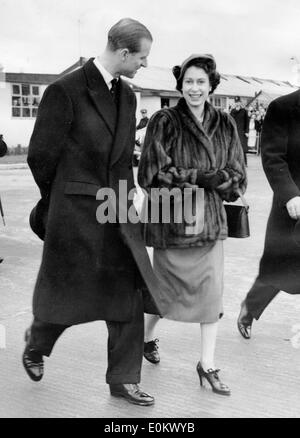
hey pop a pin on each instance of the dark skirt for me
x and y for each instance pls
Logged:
(192, 280)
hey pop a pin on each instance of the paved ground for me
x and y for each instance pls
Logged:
(263, 373)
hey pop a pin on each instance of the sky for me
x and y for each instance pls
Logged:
(247, 37)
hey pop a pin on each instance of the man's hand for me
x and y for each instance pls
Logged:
(293, 207)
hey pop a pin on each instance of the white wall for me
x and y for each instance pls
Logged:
(15, 130)
(138, 106)
(152, 104)
(18, 130)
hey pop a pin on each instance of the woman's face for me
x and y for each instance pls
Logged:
(195, 86)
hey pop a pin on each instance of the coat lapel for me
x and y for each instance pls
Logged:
(100, 95)
(125, 120)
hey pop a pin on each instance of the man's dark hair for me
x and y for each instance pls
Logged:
(127, 34)
(208, 67)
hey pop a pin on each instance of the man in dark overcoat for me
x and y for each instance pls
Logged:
(144, 120)
(280, 264)
(91, 269)
(241, 119)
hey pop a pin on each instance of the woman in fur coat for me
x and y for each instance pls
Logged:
(194, 149)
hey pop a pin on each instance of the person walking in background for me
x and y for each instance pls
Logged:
(240, 116)
(139, 137)
(143, 121)
(82, 141)
(3, 151)
(258, 127)
(280, 263)
(251, 134)
(193, 145)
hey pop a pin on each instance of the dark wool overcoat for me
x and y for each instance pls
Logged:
(242, 123)
(175, 139)
(81, 143)
(280, 264)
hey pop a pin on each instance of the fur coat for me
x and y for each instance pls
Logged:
(175, 139)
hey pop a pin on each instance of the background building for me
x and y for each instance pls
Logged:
(20, 94)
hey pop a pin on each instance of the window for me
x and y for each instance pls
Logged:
(218, 102)
(25, 100)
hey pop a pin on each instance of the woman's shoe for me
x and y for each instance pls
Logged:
(151, 351)
(213, 379)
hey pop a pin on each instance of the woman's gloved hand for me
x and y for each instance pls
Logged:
(210, 180)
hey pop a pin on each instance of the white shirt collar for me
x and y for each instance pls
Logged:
(108, 77)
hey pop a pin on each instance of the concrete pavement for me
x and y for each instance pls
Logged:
(263, 373)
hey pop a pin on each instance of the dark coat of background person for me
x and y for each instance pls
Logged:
(280, 264)
(241, 119)
(143, 123)
(3, 147)
(88, 268)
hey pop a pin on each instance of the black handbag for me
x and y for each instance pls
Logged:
(237, 218)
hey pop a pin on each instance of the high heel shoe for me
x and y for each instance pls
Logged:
(213, 379)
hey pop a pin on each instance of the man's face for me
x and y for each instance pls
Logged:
(132, 62)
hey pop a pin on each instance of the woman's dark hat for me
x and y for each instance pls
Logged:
(178, 71)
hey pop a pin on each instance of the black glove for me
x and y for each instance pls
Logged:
(210, 180)
(181, 175)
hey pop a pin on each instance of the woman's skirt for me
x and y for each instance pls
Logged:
(192, 282)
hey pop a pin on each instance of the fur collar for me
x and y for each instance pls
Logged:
(203, 132)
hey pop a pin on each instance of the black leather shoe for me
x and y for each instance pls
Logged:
(32, 360)
(244, 321)
(132, 393)
(1, 259)
(212, 376)
(151, 351)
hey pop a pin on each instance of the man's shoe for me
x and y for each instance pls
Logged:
(1, 259)
(244, 321)
(151, 351)
(32, 360)
(132, 393)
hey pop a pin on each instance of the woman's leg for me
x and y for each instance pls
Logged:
(150, 341)
(206, 367)
(150, 324)
(208, 345)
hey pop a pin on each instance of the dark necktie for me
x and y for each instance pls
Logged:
(113, 90)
